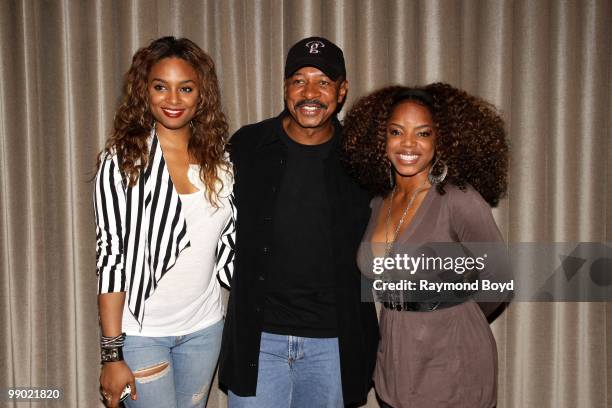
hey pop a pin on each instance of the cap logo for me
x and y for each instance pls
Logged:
(314, 46)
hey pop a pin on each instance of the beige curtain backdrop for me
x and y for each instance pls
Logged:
(545, 64)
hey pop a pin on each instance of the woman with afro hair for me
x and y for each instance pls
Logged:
(435, 159)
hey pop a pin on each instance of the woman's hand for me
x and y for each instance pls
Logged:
(113, 379)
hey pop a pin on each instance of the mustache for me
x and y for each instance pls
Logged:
(311, 102)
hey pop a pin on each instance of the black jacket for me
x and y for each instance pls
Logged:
(259, 156)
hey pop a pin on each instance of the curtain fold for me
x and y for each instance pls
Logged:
(545, 65)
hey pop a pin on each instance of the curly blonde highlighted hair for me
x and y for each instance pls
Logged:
(134, 121)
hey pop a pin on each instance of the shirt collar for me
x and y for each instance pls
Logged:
(273, 137)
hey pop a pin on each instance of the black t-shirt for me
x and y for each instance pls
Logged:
(300, 297)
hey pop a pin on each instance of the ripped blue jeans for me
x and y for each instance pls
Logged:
(184, 368)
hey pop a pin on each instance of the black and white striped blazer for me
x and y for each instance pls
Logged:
(140, 230)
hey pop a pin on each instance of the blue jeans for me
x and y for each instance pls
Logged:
(189, 363)
(295, 372)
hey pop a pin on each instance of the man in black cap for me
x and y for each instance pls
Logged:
(296, 333)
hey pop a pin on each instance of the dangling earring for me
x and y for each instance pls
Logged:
(437, 176)
(391, 176)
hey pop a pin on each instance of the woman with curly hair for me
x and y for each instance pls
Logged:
(162, 201)
(436, 160)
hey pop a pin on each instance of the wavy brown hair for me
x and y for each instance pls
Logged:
(134, 121)
(471, 139)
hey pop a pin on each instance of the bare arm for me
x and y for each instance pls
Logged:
(110, 306)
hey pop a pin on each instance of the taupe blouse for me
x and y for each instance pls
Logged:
(447, 357)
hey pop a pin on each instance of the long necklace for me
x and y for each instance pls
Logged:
(389, 244)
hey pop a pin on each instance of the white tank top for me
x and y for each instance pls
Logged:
(188, 297)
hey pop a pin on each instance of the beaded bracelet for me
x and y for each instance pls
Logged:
(111, 348)
(112, 342)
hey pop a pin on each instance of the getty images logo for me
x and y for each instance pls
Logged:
(314, 46)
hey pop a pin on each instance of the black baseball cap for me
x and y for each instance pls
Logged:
(316, 52)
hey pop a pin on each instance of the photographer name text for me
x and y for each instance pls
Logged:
(425, 285)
